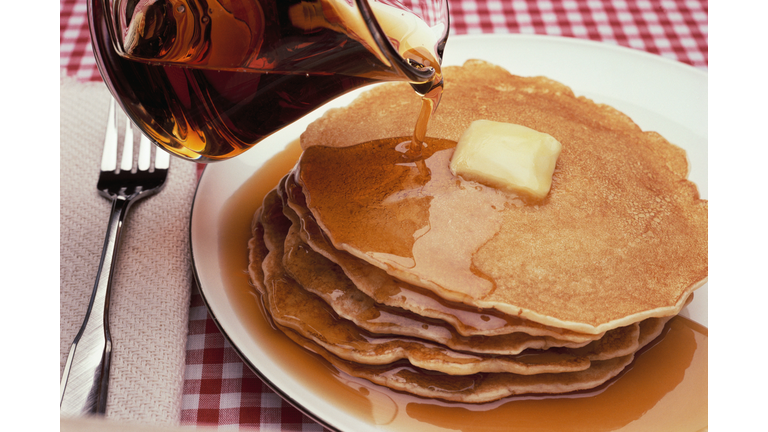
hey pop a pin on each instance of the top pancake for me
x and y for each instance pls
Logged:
(387, 290)
(621, 237)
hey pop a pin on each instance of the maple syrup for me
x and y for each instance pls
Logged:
(665, 388)
(388, 183)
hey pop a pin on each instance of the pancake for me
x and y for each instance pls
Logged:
(387, 290)
(476, 388)
(291, 306)
(395, 270)
(325, 279)
(257, 251)
(621, 237)
(482, 388)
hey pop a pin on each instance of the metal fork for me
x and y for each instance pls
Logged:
(85, 380)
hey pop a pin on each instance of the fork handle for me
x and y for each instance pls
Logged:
(85, 380)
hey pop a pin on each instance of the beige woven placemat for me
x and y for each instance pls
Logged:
(151, 287)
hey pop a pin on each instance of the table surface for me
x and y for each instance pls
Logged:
(219, 389)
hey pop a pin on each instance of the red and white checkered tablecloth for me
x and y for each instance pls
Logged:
(675, 29)
(219, 389)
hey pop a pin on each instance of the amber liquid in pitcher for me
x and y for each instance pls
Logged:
(206, 114)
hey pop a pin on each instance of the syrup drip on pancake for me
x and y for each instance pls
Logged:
(421, 196)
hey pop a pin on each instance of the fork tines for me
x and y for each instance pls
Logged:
(128, 161)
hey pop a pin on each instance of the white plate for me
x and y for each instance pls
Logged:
(659, 94)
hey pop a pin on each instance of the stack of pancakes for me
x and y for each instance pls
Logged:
(397, 271)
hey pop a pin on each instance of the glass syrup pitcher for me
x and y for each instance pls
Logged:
(208, 79)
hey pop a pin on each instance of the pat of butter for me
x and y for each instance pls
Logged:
(507, 156)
